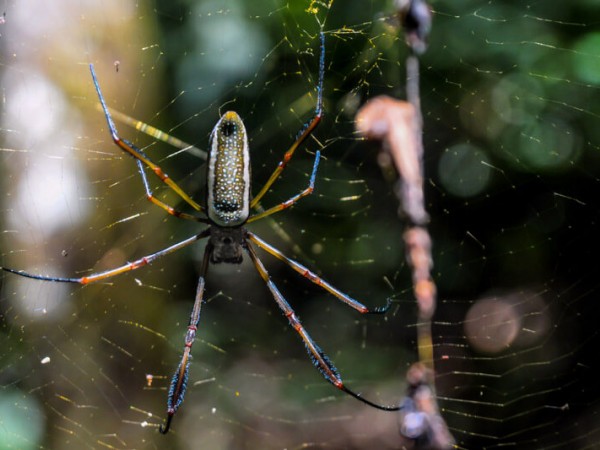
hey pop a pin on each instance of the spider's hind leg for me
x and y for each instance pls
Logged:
(143, 160)
(305, 132)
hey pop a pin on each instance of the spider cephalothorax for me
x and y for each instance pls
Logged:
(227, 244)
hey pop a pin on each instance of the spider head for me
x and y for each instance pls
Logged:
(227, 244)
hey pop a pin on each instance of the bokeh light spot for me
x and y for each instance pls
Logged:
(464, 170)
(21, 421)
(547, 144)
(491, 325)
(587, 58)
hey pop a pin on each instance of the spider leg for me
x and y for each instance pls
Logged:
(318, 357)
(156, 133)
(309, 190)
(140, 156)
(150, 196)
(140, 262)
(304, 132)
(180, 378)
(305, 272)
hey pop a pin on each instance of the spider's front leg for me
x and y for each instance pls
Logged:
(319, 358)
(130, 266)
(180, 378)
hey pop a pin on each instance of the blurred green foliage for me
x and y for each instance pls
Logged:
(510, 102)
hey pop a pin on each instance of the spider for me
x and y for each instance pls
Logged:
(227, 211)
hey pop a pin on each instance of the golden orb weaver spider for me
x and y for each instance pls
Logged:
(226, 213)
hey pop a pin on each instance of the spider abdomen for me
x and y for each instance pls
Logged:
(228, 200)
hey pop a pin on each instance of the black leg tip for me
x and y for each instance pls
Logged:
(382, 309)
(165, 429)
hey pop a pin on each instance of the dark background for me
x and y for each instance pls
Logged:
(513, 221)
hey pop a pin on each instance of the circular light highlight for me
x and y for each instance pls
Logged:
(464, 170)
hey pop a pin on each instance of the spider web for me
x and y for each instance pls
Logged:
(510, 103)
